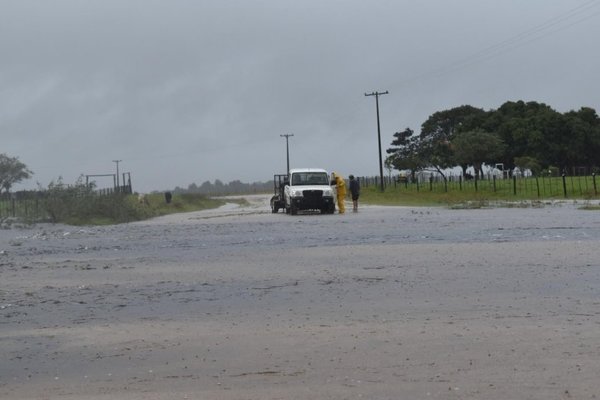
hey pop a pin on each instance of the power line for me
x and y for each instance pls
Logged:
(537, 32)
(539, 28)
(527, 36)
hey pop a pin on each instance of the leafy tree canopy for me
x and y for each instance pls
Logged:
(440, 128)
(442, 125)
(406, 153)
(516, 130)
(12, 171)
(477, 147)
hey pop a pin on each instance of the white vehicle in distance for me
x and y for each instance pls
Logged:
(308, 189)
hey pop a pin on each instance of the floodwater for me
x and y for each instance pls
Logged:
(231, 228)
(240, 303)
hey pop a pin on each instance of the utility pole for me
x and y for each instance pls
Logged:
(377, 94)
(118, 184)
(287, 149)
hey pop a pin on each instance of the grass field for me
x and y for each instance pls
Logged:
(483, 192)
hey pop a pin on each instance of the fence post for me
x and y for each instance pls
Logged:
(537, 183)
(564, 179)
(431, 183)
(494, 180)
(594, 181)
(514, 185)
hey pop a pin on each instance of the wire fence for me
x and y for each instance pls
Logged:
(33, 205)
(26, 206)
(567, 186)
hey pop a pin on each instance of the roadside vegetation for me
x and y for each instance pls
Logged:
(79, 204)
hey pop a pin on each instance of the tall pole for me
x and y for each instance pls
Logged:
(377, 94)
(287, 149)
(118, 184)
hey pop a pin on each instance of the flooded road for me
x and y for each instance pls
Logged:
(239, 303)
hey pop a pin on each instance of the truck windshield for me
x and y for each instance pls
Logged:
(309, 178)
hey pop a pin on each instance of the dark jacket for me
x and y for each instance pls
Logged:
(354, 187)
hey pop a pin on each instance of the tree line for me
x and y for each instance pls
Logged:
(219, 188)
(525, 135)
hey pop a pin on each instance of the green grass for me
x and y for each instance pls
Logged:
(522, 192)
(157, 206)
(590, 207)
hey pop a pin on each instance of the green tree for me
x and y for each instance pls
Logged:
(440, 128)
(477, 147)
(530, 130)
(583, 143)
(12, 171)
(405, 152)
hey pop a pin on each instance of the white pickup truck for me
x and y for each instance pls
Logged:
(309, 189)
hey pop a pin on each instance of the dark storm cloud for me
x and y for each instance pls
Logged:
(188, 91)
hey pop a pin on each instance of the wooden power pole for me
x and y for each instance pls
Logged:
(377, 94)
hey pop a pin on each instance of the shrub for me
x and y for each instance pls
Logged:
(79, 204)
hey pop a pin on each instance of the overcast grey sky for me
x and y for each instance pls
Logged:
(184, 91)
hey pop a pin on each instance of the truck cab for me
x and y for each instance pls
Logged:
(309, 189)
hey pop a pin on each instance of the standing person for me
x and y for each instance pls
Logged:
(340, 185)
(354, 192)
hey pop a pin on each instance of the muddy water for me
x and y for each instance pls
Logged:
(387, 303)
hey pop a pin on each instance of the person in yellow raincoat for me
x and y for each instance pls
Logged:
(340, 186)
